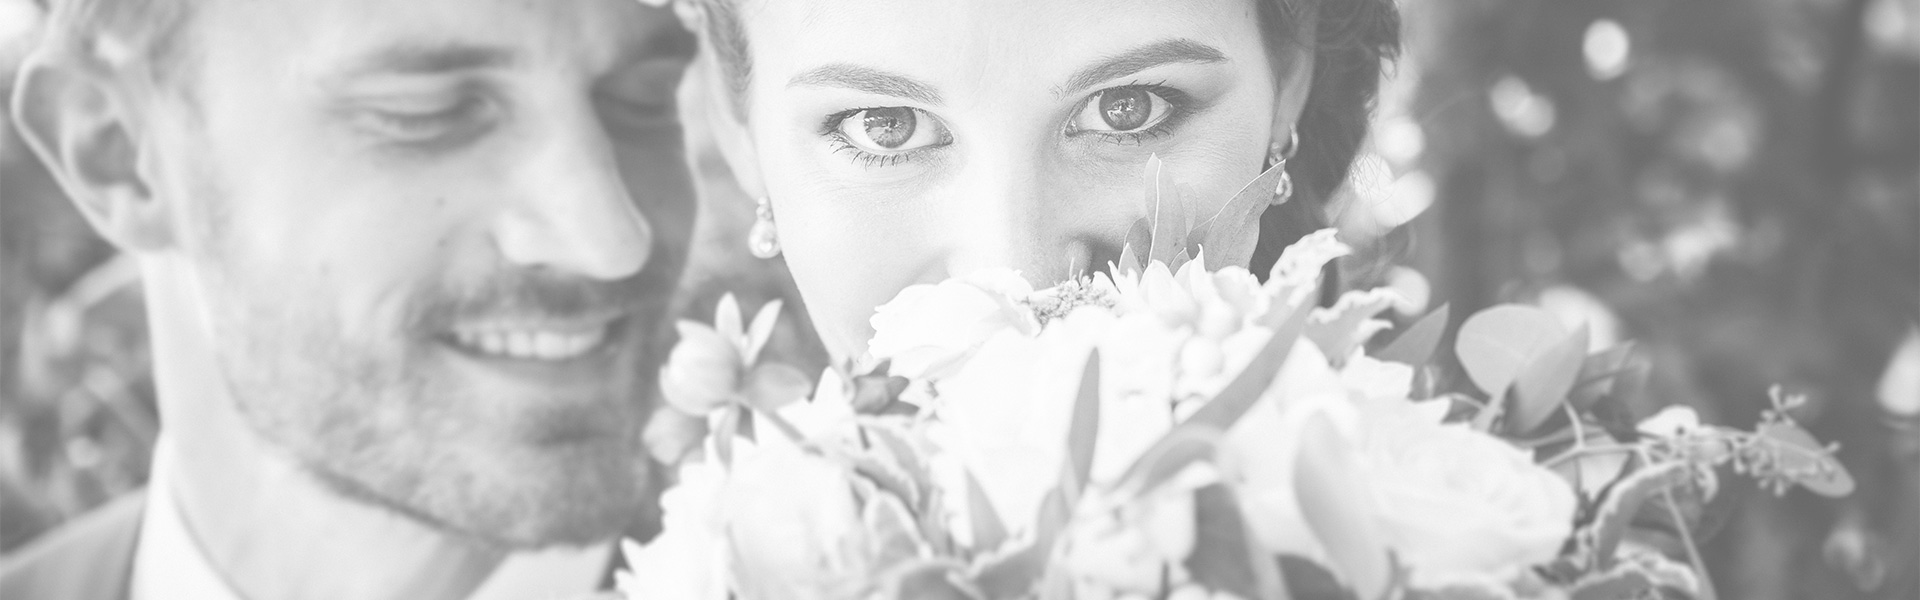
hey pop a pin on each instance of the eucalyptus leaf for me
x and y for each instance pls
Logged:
(1812, 465)
(1416, 345)
(1495, 344)
(1543, 385)
(1600, 377)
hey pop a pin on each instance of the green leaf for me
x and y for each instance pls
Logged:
(1810, 463)
(891, 530)
(1226, 233)
(1225, 558)
(1495, 344)
(1226, 408)
(1601, 375)
(1085, 428)
(931, 579)
(1168, 218)
(1621, 584)
(1326, 488)
(1308, 580)
(1168, 457)
(1014, 575)
(1130, 263)
(1416, 345)
(989, 531)
(1625, 500)
(1196, 437)
(1543, 385)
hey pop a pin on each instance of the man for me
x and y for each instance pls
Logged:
(403, 262)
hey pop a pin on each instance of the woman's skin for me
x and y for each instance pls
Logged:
(906, 142)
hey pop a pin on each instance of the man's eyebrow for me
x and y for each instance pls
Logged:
(1139, 59)
(415, 58)
(869, 80)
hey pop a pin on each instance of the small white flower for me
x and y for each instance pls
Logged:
(1671, 422)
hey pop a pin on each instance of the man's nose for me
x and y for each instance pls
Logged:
(570, 209)
(1006, 215)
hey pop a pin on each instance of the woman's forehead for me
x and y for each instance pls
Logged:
(985, 41)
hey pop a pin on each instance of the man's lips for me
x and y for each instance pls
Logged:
(536, 339)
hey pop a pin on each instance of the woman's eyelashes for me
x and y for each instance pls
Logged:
(1130, 114)
(885, 135)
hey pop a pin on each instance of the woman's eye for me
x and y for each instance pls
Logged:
(1122, 109)
(891, 130)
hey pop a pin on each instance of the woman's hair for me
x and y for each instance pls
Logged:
(1353, 39)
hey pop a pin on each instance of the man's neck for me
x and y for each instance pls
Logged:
(272, 529)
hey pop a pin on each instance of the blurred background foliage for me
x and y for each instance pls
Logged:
(1732, 184)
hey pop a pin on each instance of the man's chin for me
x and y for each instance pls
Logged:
(566, 494)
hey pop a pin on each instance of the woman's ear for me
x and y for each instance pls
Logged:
(80, 125)
(1295, 82)
(727, 122)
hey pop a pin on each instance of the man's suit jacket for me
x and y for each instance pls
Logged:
(90, 558)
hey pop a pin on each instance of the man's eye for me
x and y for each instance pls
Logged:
(427, 124)
(1123, 109)
(638, 115)
(891, 130)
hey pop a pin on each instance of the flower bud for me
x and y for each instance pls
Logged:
(702, 372)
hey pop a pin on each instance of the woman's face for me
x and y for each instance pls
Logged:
(905, 142)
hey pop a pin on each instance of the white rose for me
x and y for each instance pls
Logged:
(1456, 503)
(792, 521)
(927, 330)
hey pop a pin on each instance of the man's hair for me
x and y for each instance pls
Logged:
(1353, 40)
(122, 38)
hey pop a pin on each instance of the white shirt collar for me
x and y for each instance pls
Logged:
(168, 562)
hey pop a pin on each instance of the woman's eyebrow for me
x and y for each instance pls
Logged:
(1179, 50)
(867, 79)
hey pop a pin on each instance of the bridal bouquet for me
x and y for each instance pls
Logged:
(1165, 431)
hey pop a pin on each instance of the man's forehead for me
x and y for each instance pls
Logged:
(334, 37)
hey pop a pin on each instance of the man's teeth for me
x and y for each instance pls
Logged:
(532, 344)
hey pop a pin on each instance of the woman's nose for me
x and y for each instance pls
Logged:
(1006, 212)
(570, 210)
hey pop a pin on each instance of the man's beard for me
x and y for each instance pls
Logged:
(365, 413)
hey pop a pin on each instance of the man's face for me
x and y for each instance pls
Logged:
(434, 238)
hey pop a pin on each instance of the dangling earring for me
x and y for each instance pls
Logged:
(1277, 156)
(763, 241)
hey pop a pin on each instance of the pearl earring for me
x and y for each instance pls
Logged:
(1277, 155)
(763, 241)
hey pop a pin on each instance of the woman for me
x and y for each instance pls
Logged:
(898, 143)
